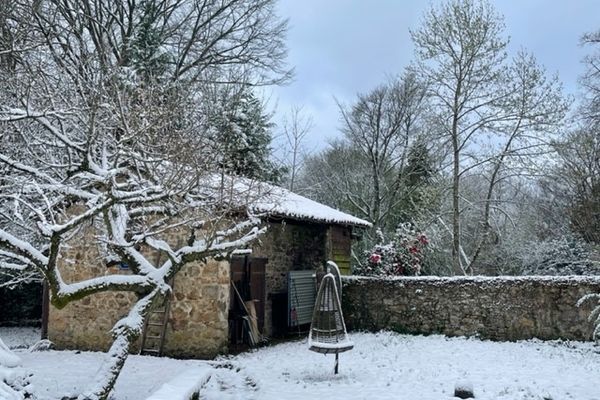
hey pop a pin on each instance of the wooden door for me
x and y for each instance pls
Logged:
(238, 277)
(258, 288)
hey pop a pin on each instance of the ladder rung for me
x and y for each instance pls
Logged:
(159, 311)
(150, 350)
(152, 337)
(155, 323)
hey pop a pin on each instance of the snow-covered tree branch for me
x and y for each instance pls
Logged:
(104, 139)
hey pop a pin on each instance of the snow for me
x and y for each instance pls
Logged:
(282, 202)
(19, 337)
(381, 366)
(342, 345)
(392, 366)
(442, 280)
(141, 377)
(262, 197)
(22, 246)
(7, 357)
(183, 386)
(12, 377)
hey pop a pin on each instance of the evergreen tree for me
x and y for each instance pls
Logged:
(421, 195)
(241, 134)
(147, 57)
(419, 165)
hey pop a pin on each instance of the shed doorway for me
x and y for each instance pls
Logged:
(247, 293)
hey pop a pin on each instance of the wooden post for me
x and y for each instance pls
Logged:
(45, 309)
(337, 362)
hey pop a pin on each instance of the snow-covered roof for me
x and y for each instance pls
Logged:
(265, 198)
(284, 203)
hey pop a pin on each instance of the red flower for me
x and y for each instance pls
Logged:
(413, 250)
(375, 258)
(423, 240)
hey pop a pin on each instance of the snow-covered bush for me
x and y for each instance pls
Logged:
(13, 379)
(595, 314)
(564, 255)
(522, 254)
(402, 255)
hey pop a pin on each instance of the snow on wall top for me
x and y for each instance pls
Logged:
(479, 280)
(261, 197)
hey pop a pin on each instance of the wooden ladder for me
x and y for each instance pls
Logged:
(155, 330)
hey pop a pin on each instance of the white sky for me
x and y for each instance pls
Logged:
(342, 47)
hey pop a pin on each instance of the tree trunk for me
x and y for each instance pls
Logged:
(488, 199)
(456, 264)
(376, 208)
(293, 178)
(125, 332)
(110, 370)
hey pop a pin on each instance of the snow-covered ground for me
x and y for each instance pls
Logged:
(19, 337)
(60, 373)
(381, 366)
(391, 366)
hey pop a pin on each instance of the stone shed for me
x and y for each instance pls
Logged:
(202, 317)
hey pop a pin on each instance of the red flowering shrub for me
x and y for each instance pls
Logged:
(403, 255)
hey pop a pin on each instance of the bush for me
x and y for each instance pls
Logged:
(402, 255)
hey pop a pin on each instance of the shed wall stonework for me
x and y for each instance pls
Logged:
(197, 326)
(85, 324)
(503, 308)
(197, 321)
(289, 247)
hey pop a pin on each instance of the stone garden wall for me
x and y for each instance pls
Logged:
(497, 308)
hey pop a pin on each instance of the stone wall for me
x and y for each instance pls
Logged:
(289, 247)
(497, 308)
(197, 326)
(85, 324)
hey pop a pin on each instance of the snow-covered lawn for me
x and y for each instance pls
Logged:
(381, 366)
(19, 337)
(60, 373)
(391, 366)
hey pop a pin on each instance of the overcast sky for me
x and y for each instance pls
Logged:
(344, 47)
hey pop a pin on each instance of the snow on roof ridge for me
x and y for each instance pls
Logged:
(263, 197)
(296, 206)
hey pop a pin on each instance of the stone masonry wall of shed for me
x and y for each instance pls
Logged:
(502, 308)
(197, 325)
(289, 247)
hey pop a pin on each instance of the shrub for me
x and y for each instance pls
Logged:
(402, 255)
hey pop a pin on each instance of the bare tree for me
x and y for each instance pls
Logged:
(476, 95)
(382, 125)
(295, 128)
(533, 111)
(590, 81)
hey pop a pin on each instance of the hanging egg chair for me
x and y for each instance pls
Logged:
(328, 331)
(333, 269)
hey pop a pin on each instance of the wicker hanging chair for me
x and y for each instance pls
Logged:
(333, 269)
(328, 331)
